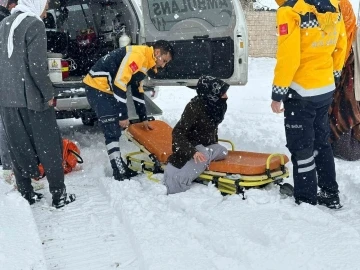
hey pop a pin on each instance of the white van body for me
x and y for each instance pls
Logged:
(209, 38)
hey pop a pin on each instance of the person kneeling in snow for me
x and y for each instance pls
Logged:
(194, 138)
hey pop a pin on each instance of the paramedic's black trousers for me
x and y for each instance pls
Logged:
(307, 134)
(107, 110)
(34, 138)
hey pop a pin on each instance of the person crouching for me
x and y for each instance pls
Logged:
(194, 137)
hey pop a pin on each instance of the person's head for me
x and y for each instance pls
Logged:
(46, 7)
(11, 4)
(38, 7)
(211, 88)
(163, 53)
(3, 3)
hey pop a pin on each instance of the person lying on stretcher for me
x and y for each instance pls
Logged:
(194, 137)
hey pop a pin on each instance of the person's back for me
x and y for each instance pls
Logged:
(109, 65)
(29, 88)
(308, 59)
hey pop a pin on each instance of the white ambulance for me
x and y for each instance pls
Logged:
(209, 38)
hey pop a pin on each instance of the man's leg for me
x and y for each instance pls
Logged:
(48, 144)
(4, 148)
(23, 156)
(324, 158)
(106, 109)
(179, 180)
(299, 118)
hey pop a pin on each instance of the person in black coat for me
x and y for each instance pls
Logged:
(194, 138)
(6, 7)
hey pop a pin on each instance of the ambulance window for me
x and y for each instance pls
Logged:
(164, 14)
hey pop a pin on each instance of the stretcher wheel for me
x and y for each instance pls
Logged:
(287, 189)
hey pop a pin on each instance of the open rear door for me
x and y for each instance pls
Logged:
(209, 38)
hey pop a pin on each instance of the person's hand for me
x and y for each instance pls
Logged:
(199, 157)
(146, 125)
(124, 123)
(51, 102)
(276, 106)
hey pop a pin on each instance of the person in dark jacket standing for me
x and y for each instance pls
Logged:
(106, 86)
(195, 139)
(26, 102)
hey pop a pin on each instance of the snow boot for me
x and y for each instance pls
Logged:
(32, 197)
(129, 172)
(60, 198)
(330, 200)
(124, 172)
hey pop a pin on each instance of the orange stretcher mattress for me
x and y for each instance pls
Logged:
(158, 142)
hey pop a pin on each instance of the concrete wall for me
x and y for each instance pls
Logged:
(262, 33)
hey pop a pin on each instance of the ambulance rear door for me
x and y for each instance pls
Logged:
(209, 38)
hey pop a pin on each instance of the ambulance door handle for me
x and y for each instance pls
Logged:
(201, 37)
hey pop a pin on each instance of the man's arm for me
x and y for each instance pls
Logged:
(288, 52)
(340, 51)
(180, 131)
(36, 54)
(138, 97)
(128, 68)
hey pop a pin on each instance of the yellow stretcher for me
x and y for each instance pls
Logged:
(237, 171)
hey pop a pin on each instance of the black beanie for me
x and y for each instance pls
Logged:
(211, 88)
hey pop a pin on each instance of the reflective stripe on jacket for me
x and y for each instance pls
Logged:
(113, 72)
(311, 49)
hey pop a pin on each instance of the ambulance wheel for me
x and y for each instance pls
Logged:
(88, 121)
(287, 189)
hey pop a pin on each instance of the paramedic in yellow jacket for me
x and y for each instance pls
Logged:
(311, 51)
(106, 86)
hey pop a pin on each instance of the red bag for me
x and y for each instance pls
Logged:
(71, 157)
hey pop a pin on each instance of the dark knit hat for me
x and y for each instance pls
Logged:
(211, 88)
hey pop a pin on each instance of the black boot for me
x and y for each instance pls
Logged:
(129, 172)
(32, 197)
(118, 175)
(60, 198)
(124, 172)
(330, 200)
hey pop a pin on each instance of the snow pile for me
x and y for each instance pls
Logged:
(133, 225)
(20, 245)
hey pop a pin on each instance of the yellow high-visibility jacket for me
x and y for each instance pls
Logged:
(113, 72)
(311, 49)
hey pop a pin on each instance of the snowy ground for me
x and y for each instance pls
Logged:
(131, 225)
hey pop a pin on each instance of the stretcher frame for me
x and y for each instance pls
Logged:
(225, 182)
